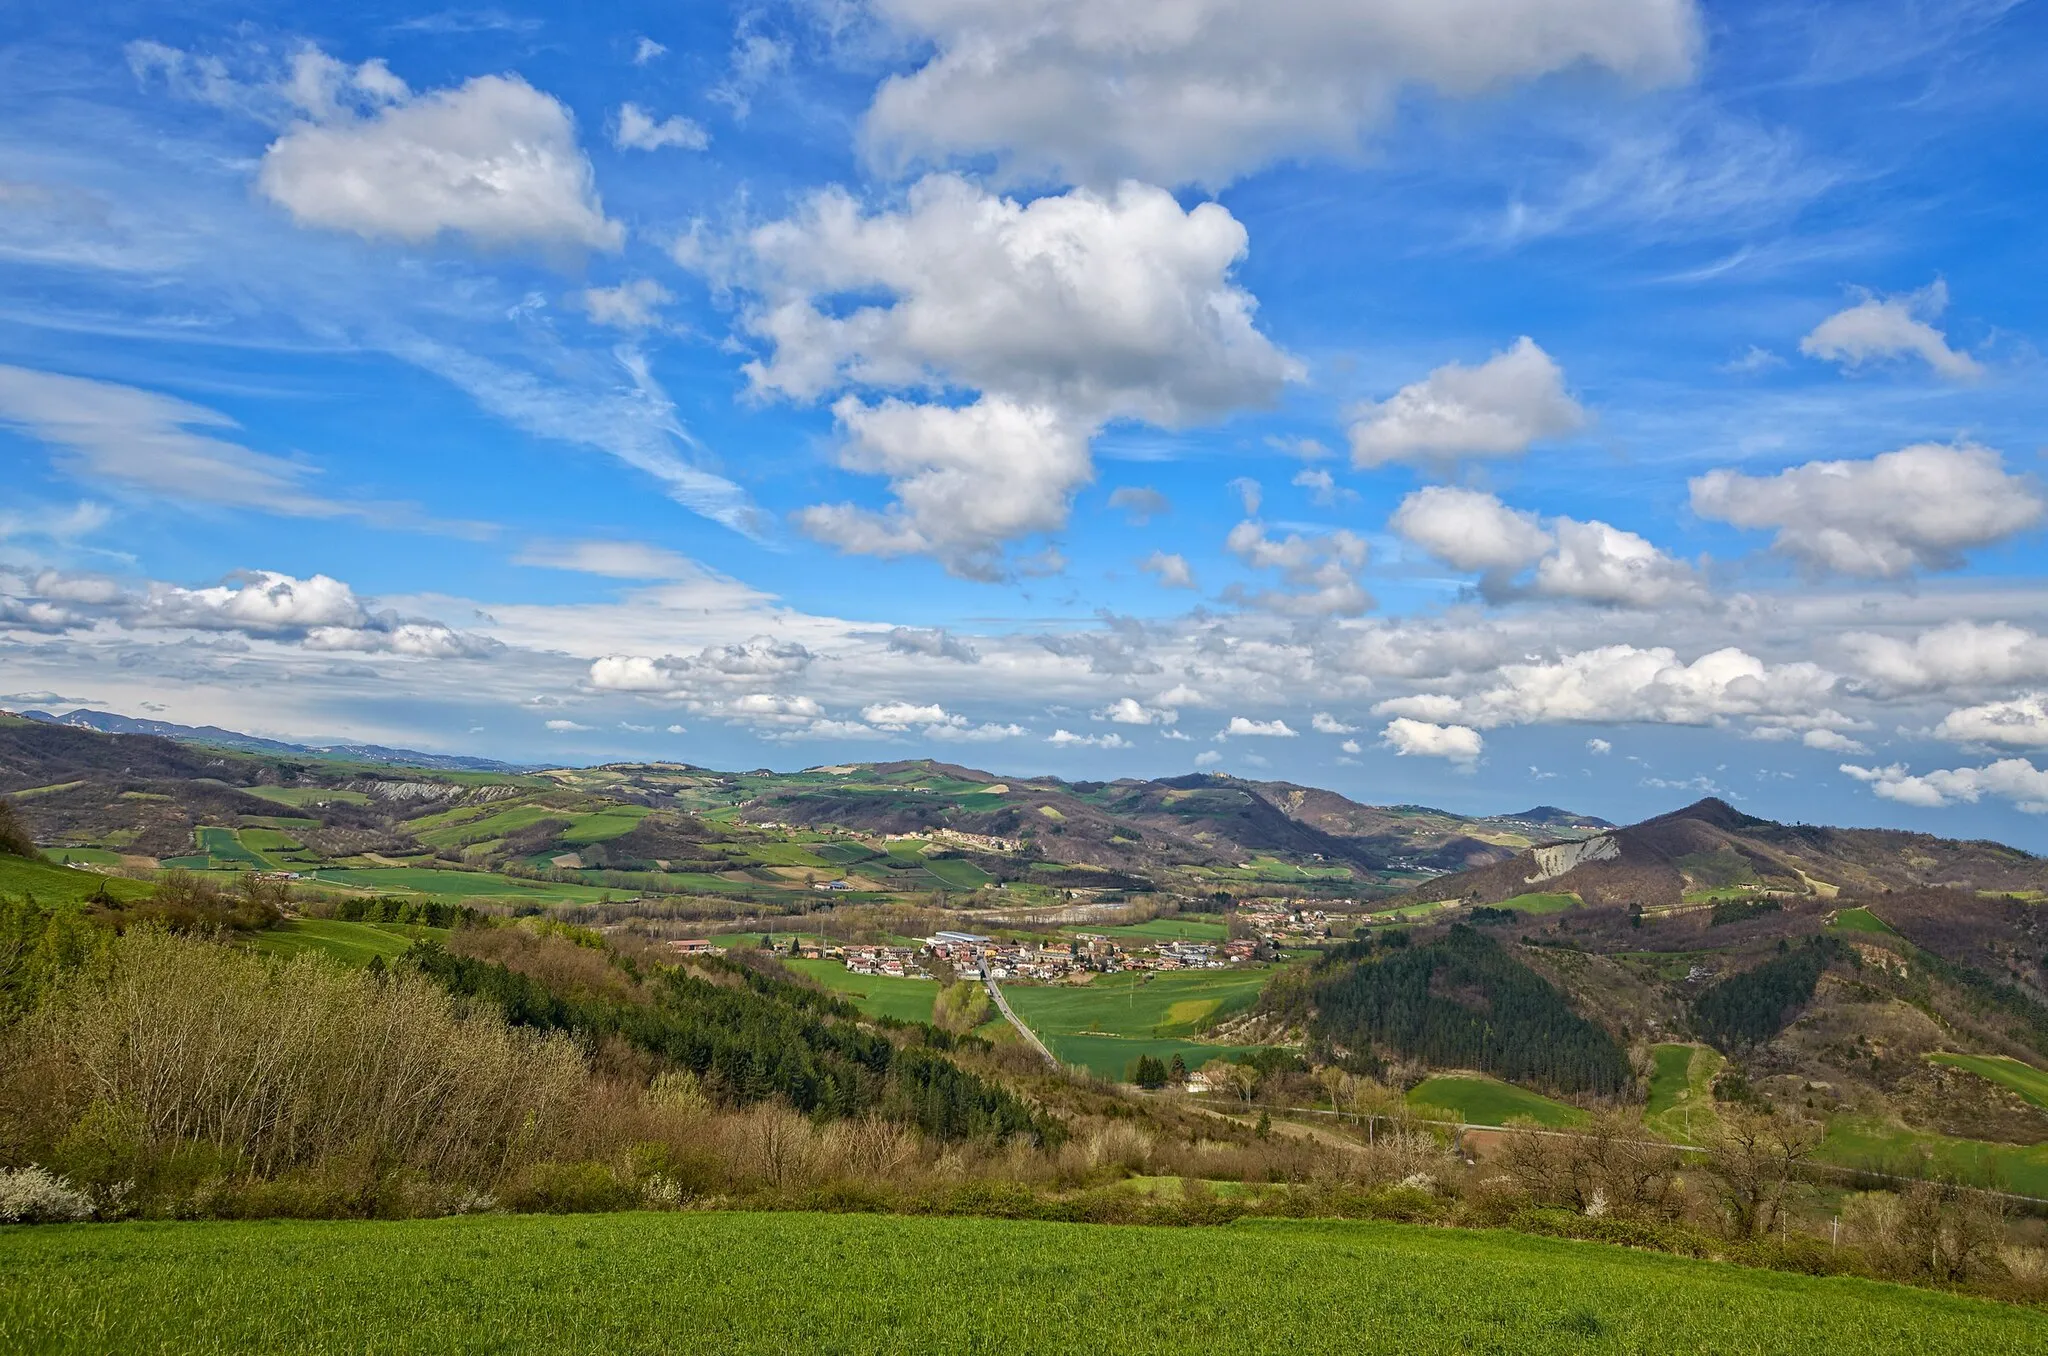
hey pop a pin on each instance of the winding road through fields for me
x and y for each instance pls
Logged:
(1030, 1036)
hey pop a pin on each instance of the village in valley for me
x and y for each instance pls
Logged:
(1271, 926)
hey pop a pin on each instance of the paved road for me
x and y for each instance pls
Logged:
(1030, 1036)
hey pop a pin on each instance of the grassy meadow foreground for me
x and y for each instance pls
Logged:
(846, 1283)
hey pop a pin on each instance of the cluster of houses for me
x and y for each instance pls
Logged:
(1281, 923)
(973, 956)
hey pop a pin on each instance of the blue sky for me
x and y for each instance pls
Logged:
(1600, 402)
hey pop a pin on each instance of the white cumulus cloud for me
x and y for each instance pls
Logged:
(1622, 683)
(1496, 409)
(493, 159)
(1892, 327)
(1068, 739)
(1319, 569)
(634, 305)
(1093, 91)
(1131, 711)
(639, 130)
(1591, 562)
(1958, 654)
(2013, 779)
(1170, 568)
(1245, 727)
(2020, 722)
(1062, 313)
(1417, 738)
(1918, 508)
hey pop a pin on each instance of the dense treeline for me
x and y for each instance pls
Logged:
(750, 1037)
(1463, 1002)
(431, 913)
(1752, 1007)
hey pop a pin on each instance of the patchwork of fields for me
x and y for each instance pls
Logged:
(856, 1283)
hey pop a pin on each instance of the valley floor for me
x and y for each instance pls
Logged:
(857, 1283)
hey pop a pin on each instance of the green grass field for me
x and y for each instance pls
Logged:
(1106, 1024)
(842, 854)
(1681, 1105)
(1540, 903)
(785, 854)
(53, 884)
(1487, 1101)
(224, 849)
(92, 856)
(1861, 1142)
(1178, 929)
(2024, 1079)
(909, 1000)
(646, 1283)
(958, 874)
(350, 943)
(1137, 1003)
(1860, 920)
(306, 795)
(460, 884)
(604, 825)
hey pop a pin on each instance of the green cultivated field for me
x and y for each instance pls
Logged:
(1137, 1003)
(2024, 1079)
(306, 795)
(1164, 930)
(1860, 920)
(222, 848)
(53, 884)
(1859, 1142)
(1487, 1101)
(858, 1284)
(958, 874)
(350, 943)
(415, 880)
(1681, 1103)
(1114, 1019)
(909, 1000)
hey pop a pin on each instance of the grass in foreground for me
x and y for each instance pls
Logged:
(1486, 1101)
(851, 1283)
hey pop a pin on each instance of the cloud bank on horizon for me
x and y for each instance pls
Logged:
(1471, 402)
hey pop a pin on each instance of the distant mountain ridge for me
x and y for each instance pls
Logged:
(1687, 855)
(108, 722)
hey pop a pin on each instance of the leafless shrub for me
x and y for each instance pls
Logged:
(279, 1067)
(1928, 1231)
